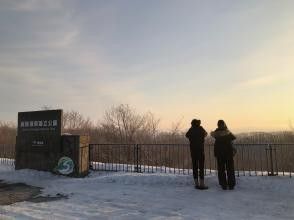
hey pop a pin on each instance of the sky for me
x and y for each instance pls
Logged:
(211, 60)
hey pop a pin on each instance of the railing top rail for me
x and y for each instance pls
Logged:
(114, 144)
(165, 144)
(265, 144)
(186, 144)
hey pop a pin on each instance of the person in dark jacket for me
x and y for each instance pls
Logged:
(224, 153)
(196, 135)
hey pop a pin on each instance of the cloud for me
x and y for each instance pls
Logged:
(30, 5)
(261, 81)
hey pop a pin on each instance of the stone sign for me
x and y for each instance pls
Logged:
(38, 139)
(75, 155)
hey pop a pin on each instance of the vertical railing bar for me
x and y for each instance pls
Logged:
(107, 151)
(127, 157)
(115, 156)
(277, 168)
(135, 167)
(178, 165)
(96, 157)
(152, 158)
(100, 156)
(112, 161)
(119, 157)
(140, 157)
(91, 164)
(149, 161)
(168, 158)
(243, 164)
(106, 157)
(128, 152)
(209, 155)
(165, 160)
(135, 158)
(261, 159)
(283, 159)
(145, 157)
(290, 166)
(271, 160)
(169, 161)
(249, 161)
(108, 165)
(156, 157)
(183, 158)
(89, 147)
(92, 156)
(188, 156)
(3, 154)
(267, 161)
(174, 159)
(160, 158)
(237, 162)
(148, 158)
(131, 157)
(255, 161)
(123, 150)
(205, 161)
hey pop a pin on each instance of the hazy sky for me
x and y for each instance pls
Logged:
(178, 59)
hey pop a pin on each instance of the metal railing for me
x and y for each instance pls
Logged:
(7, 154)
(251, 159)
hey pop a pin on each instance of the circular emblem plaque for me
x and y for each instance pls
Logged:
(65, 166)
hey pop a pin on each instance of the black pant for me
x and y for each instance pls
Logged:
(198, 163)
(226, 171)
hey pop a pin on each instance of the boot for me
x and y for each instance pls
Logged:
(224, 187)
(202, 185)
(196, 183)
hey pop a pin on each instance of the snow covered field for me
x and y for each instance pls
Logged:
(109, 195)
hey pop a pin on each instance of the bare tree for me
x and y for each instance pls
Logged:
(125, 121)
(130, 126)
(176, 130)
(75, 122)
(151, 125)
(7, 133)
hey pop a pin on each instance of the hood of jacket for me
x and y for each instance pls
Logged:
(220, 133)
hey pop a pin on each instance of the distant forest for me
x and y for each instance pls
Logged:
(123, 124)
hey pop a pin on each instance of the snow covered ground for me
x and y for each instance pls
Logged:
(109, 195)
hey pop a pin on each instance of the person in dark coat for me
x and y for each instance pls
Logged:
(196, 135)
(224, 153)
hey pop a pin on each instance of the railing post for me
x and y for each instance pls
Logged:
(90, 156)
(271, 173)
(137, 168)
